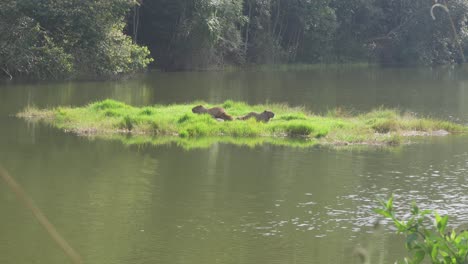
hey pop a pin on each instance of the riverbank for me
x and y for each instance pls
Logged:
(291, 125)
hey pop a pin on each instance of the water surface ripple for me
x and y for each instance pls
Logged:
(229, 204)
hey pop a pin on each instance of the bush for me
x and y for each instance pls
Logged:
(113, 56)
(52, 39)
(28, 50)
(426, 239)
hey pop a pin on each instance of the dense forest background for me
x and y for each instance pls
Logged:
(109, 38)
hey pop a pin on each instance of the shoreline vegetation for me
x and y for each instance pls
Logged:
(107, 40)
(291, 126)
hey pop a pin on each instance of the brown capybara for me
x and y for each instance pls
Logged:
(216, 112)
(264, 116)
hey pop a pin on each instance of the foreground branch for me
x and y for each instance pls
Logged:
(28, 203)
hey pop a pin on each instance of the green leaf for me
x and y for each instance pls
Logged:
(441, 222)
(414, 209)
(410, 239)
(425, 212)
(462, 252)
(422, 239)
(437, 217)
(402, 227)
(453, 235)
(383, 212)
(418, 256)
(389, 204)
(434, 253)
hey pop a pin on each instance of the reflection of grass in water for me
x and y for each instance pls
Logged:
(206, 142)
(290, 126)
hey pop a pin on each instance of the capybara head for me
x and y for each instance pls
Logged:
(198, 109)
(268, 114)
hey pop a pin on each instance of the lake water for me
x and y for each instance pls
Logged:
(116, 203)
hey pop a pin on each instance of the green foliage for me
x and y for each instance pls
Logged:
(203, 34)
(299, 116)
(295, 128)
(185, 118)
(57, 39)
(426, 238)
(384, 125)
(67, 38)
(399, 32)
(228, 104)
(116, 55)
(111, 113)
(248, 128)
(109, 116)
(395, 140)
(288, 31)
(27, 49)
(147, 111)
(193, 34)
(108, 104)
(126, 123)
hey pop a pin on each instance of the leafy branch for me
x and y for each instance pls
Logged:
(428, 238)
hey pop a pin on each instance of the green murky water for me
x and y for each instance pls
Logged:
(228, 204)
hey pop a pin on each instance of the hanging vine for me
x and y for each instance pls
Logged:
(454, 31)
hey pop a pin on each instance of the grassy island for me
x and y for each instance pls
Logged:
(163, 124)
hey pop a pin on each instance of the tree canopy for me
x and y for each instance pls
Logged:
(67, 38)
(188, 34)
(110, 38)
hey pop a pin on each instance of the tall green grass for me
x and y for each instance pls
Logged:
(381, 126)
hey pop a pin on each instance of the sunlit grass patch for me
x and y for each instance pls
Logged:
(107, 104)
(295, 116)
(337, 127)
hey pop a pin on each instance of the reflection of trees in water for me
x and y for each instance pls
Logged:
(193, 203)
(423, 90)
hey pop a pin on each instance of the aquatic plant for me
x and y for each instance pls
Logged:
(426, 237)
